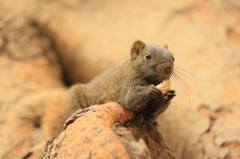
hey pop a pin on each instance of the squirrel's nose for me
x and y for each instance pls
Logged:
(168, 69)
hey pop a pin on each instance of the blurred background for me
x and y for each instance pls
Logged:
(46, 45)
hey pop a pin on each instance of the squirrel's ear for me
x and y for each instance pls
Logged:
(136, 48)
(165, 46)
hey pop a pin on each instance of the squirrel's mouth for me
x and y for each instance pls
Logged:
(157, 79)
(160, 79)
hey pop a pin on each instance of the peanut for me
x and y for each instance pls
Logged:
(164, 86)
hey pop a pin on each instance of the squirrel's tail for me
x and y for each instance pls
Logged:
(47, 110)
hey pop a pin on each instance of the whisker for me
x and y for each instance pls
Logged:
(180, 81)
(177, 71)
(176, 78)
(176, 68)
(182, 84)
(179, 78)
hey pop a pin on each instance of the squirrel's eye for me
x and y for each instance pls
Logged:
(148, 56)
(173, 59)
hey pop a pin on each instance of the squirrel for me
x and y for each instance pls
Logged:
(132, 85)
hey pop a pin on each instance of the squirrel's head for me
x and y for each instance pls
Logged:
(153, 62)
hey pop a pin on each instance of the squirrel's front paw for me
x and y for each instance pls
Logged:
(153, 92)
(169, 95)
